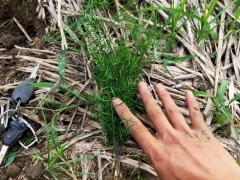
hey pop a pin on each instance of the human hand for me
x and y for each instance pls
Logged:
(178, 151)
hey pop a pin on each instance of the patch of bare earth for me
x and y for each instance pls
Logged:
(24, 12)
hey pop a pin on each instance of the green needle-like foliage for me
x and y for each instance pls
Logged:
(117, 74)
(116, 66)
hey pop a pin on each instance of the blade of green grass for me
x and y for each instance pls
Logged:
(223, 10)
(47, 136)
(172, 10)
(42, 85)
(222, 90)
(235, 20)
(59, 153)
(234, 99)
(206, 16)
(10, 159)
(53, 133)
(37, 156)
(176, 16)
(201, 94)
(62, 66)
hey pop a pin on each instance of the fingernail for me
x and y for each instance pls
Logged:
(116, 101)
(189, 94)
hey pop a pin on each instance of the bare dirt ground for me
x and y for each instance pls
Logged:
(10, 35)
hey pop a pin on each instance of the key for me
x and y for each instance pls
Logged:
(13, 132)
(33, 133)
(7, 114)
(5, 111)
(2, 119)
(23, 93)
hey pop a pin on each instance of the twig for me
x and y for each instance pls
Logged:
(59, 19)
(99, 165)
(35, 50)
(83, 119)
(6, 57)
(236, 66)
(52, 90)
(117, 4)
(5, 23)
(22, 29)
(132, 163)
(231, 90)
(71, 121)
(219, 53)
(81, 137)
(81, 90)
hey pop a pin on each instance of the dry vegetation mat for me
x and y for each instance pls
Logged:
(94, 50)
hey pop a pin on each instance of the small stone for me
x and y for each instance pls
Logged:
(13, 171)
(34, 172)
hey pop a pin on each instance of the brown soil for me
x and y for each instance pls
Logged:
(10, 35)
(25, 13)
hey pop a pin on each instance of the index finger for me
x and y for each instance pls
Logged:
(137, 129)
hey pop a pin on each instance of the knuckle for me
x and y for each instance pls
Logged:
(196, 109)
(122, 110)
(154, 112)
(156, 154)
(136, 126)
(170, 110)
(120, 106)
(173, 111)
(175, 138)
(187, 131)
(196, 113)
(148, 99)
(146, 103)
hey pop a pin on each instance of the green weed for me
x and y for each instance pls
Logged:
(206, 28)
(51, 37)
(62, 66)
(172, 26)
(171, 59)
(57, 162)
(10, 159)
(221, 112)
(115, 74)
(175, 19)
(235, 20)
